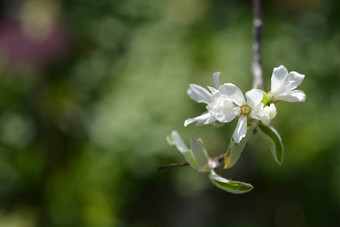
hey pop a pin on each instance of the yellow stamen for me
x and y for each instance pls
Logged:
(245, 110)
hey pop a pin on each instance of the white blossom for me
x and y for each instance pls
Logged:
(270, 111)
(250, 108)
(214, 100)
(283, 85)
(226, 102)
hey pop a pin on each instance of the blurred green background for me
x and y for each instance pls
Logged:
(90, 89)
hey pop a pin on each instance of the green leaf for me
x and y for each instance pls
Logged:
(273, 139)
(265, 99)
(175, 140)
(235, 187)
(235, 149)
(197, 156)
(200, 154)
(169, 140)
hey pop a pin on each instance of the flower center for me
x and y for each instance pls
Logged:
(245, 109)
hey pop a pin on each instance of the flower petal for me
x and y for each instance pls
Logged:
(278, 77)
(293, 96)
(266, 114)
(254, 97)
(294, 79)
(201, 118)
(233, 93)
(226, 113)
(216, 78)
(199, 94)
(259, 113)
(211, 119)
(273, 111)
(241, 129)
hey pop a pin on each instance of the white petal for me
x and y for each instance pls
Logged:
(199, 94)
(294, 79)
(216, 96)
(222, 108)
(225, 116)
(254, 97)
(226, 113)
(260, 113)
(201, 118)
(278, 77)
(273, 111)
(216, 78)
(233, 93)
(210, 120)
(293, 96)
(241, 129)
(269, 111)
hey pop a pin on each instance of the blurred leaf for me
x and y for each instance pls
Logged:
(175, 140)
(273, 139)
(235, 149)
(199, 153)
(235, 187)
(197, 156)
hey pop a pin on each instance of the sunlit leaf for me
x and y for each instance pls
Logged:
(200, 154)
(175, 140)
(273, 139)
(169, 140)
(197, 156)
(235, 149)
(235, 187)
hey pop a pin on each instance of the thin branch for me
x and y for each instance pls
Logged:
(258, 30)
(214, 159)
(173, 165)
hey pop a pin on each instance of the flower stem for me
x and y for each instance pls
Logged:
(258, 30)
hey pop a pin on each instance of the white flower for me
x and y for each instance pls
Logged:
(283, 85)
(270, 111)
(214, 100)
(252, 108)
(227, 102)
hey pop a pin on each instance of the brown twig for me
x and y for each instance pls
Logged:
(258, 30)
(172, 165)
